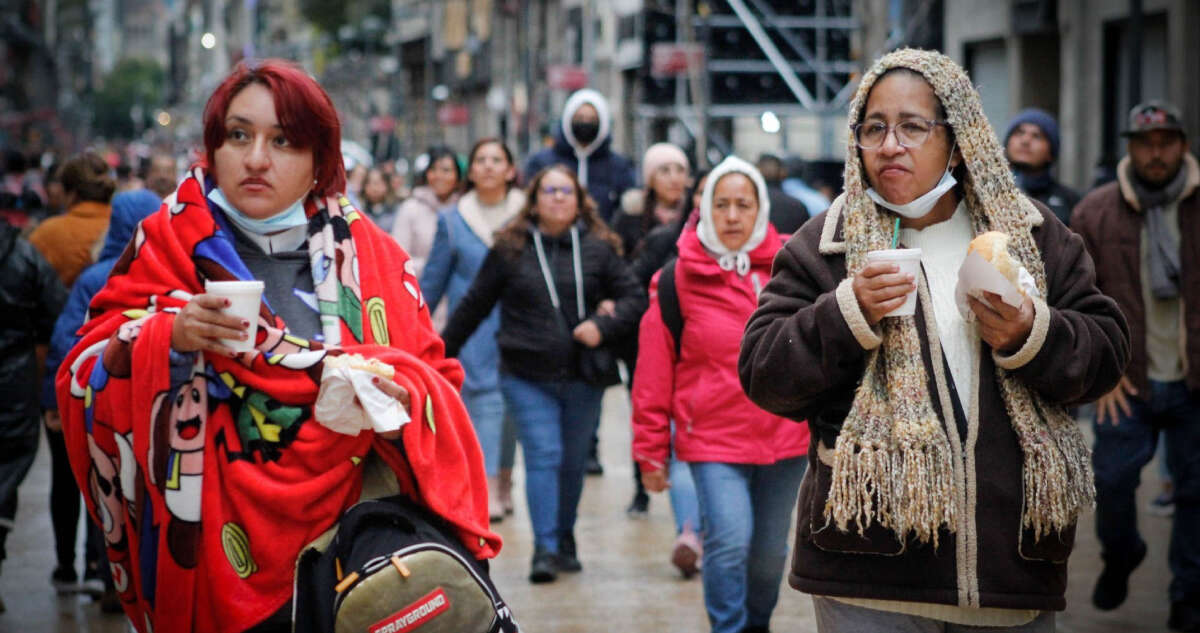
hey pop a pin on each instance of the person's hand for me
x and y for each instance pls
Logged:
(880, 287)
(52, 420)
(1002, 326)
(1115, 402)
(607, 308)
(399, 393)
(588, 334)
(201, 325)
(656, 480)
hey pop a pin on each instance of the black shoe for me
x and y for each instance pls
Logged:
(110, 602)
(568, 560)
(1184, 617)
(639, 507)
(594, 467)
(544, 567)
(1113, 585)
(65, 580)
(756, 629)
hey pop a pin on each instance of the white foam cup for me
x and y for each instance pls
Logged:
(909, 260)
(245, 297)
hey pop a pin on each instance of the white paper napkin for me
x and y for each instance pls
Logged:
(337, 410)
(977, 275)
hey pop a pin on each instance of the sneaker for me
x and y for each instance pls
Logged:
(1184, 617)
(64, 580)
(639, 507)
(92, 583)
(495, 508)
(568, 560)
(1113, 585)
(1163, 505)
(685, 556)
(544, 567)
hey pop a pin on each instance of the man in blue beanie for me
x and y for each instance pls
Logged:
(1031, 145)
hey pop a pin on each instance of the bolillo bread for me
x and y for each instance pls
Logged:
(993, 246)
(357, 361)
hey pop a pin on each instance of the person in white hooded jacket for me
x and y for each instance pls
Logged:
(584, 144)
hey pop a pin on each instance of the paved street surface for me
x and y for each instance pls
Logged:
(627, 583)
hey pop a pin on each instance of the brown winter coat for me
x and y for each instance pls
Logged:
(66, 241)
(802, 359)
(1111, 224)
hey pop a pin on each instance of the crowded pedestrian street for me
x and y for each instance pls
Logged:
(573, 316)
(627, 583)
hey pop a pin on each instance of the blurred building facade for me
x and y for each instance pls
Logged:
(1076, 58)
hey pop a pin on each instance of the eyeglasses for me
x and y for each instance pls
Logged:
(910, 133)
(550, 190)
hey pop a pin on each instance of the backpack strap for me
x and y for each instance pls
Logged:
(668, 304)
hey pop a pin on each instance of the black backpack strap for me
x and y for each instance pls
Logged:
(668, 304)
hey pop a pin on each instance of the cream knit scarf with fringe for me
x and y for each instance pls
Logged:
(893, 462)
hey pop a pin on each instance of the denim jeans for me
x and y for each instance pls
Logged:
(486, 409)
(682, 493)
(1120, 452)
(745, 515)
(555, 421)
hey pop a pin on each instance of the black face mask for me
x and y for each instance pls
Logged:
(585, 131)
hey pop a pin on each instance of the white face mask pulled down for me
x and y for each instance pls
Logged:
(923, 204)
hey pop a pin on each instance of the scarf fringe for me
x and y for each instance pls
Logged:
(907, 489)
(1058, 479)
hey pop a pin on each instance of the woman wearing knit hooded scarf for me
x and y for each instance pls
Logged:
(946, 477)
(746, 463)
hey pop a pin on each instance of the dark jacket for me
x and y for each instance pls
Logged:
(128, 209)
(802, 359)
(534, 343)
(31, 296)
(609, 174)
(787, 213)
(660, 246)
(1111, 225)
(1058, 197)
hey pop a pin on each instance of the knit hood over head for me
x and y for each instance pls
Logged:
(707, 232)
(892, 433)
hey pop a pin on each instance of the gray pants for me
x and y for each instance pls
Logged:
(836, 617)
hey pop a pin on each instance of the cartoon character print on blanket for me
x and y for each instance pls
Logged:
(208, 473)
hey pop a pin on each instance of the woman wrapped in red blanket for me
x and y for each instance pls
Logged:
(206, 467)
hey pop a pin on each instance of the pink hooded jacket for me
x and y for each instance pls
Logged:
(700, 390)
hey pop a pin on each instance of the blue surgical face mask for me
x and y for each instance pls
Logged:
(289, 218)
(923, 204)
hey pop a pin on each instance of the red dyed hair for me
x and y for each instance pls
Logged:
(304, 110)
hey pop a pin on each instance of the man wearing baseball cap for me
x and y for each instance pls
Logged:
(1031, 146)
(1144, 233)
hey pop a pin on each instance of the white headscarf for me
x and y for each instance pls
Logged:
(574, 102)
(728, 259)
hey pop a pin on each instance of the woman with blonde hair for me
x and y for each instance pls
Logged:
(946, 475)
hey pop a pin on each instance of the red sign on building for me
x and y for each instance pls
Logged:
(566, 77)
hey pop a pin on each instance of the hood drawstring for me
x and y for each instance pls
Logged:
(548, 277)
(735, 261)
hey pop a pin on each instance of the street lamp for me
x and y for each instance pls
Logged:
(208, 40)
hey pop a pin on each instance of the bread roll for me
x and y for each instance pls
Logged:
(357, 361)
(993, 246)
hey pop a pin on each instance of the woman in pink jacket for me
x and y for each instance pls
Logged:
(747, 463)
